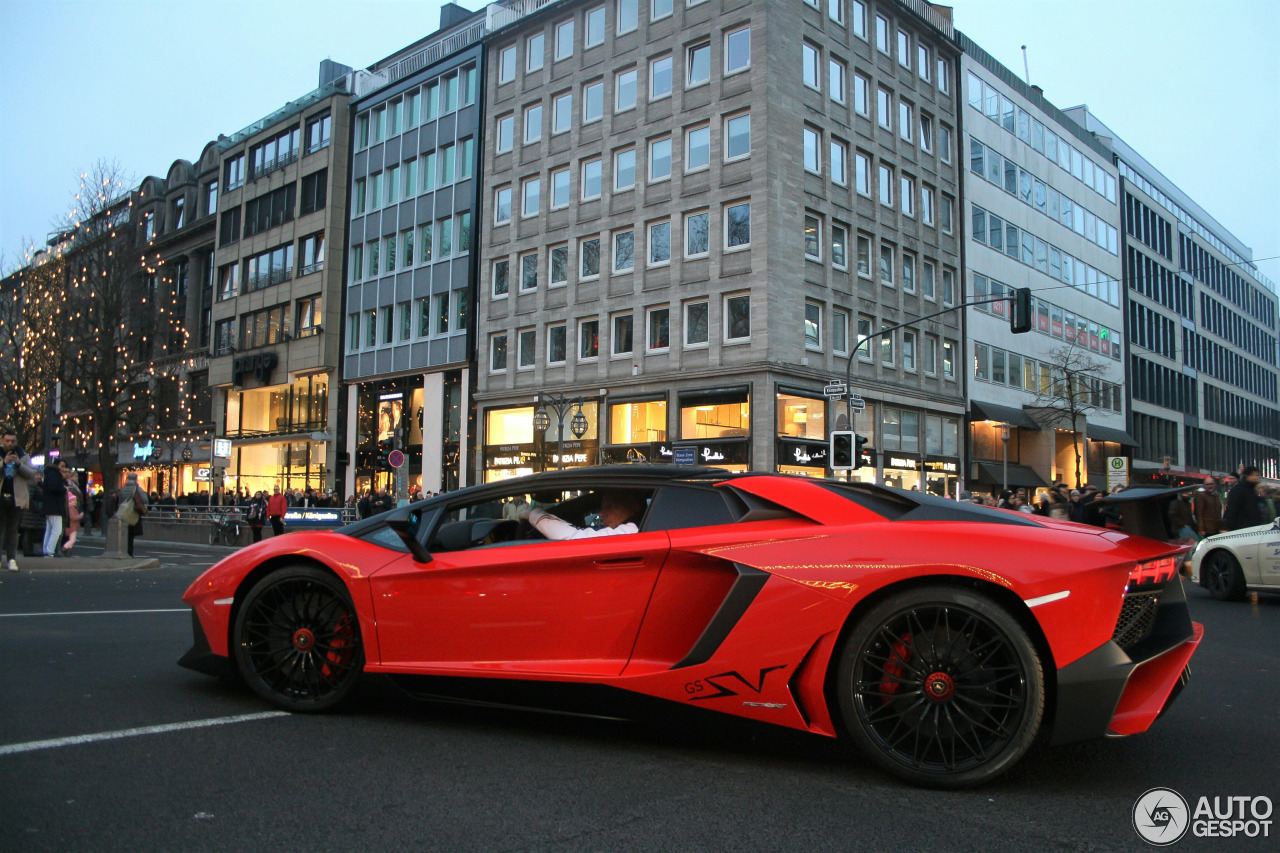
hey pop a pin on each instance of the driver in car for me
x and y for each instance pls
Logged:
(620, 513)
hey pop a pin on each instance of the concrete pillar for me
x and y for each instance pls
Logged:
(117, 540)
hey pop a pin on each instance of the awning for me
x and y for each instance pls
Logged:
(1001, 414)
(1101, 433)
(991, 474)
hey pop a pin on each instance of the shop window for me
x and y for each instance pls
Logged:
(801, 417)
(638, 422)
(509, 426)
(715, 414)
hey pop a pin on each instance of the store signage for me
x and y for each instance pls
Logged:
(942, 466)
(806, 454)
(902, 463)
(204, 474)
(685, 455)
(260, 364)
(391, 395)
(313, 517)
(729, 453)
(222, 448)
(144, 451)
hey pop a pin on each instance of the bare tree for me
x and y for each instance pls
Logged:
(31, 353)
(1070, 393)
(109, 312)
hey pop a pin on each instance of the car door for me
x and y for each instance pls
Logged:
(571, 608)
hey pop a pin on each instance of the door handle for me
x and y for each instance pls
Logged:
(620, 563)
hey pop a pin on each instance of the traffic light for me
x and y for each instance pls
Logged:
(858, 442)
(56, 435)
(840, 450)
(1020, 317)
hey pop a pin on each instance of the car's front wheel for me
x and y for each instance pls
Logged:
(941, 686)
(1223, 576)
(297, 640)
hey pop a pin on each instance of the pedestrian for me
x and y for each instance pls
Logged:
(1056, 503)
(1207, 506)
(54, 491)
(75, 515)
(15, 487)
(513, 507)
(132, 506)
(277, 506)
(1181, 520)
(257, 515)
(1243, 508)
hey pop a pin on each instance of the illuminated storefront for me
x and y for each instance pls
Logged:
(801, 425)
(166, 465)
(279, 436)
(637, 431)
(513, 448)
(718, 422)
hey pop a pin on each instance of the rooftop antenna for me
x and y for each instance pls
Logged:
(1026, 69)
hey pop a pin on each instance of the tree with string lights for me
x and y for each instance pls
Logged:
(31, 353)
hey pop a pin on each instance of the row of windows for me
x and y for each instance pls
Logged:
(407, 321)
(987, 100)
(274, 208)
(837, 89)
(271, 267)
(932, 210)
(445, 238)
(1001, 367)
(1153, 331)
(1228, 365)
(1157, 437)
(1020, 244)
(268, 326)
(1230, 326)
(1226, 282)
(1161, 386)
(625, 169)
(892, 268)
(1160, 284)
(623, 246)
(435, 169)
(906, 342)
(987, 163)
(1152, 229)
(1052, 320)
(438, 97)
(275, 153)
(1232, 410)
(735, 328)
(1217, 452)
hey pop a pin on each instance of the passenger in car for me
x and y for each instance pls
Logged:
(620, 511)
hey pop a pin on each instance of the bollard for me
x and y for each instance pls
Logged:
(117, 540)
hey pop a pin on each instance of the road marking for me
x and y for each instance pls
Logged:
(93, 612)
(76, 740)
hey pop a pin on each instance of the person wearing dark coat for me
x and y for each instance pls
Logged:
(1208, 509)
(1244, 509)
(54, 488)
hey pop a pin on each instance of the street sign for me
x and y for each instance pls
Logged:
(685, 455)
(222, 447)
(835, 389)
(856, 402)
(1117, 471)
(396, 459)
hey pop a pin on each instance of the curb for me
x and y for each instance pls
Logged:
(42, 565)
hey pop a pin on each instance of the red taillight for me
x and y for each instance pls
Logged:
(1154, 572)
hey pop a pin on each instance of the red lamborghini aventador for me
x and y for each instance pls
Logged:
(939, 637)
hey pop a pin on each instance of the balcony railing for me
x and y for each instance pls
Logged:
(269, 166)
(276, 276)
(310, 268)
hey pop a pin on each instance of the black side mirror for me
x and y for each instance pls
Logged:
(399, 522)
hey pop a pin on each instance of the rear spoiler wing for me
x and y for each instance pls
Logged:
(1141, 510)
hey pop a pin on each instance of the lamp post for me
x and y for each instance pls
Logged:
(1004, 477)
(561, 405)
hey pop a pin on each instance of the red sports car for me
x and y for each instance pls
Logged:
(939, 637)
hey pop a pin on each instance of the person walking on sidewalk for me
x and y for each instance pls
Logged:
(132, 506)
(257, 514)
(277, 506)
(15, 484)
(54, 489)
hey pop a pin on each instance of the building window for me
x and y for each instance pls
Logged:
(886, 185)
(535, 50)
(835, 80)
(905, 120)
(812, 157)
(319, 130)
(624, 90)
(564, 39)
(592, 179)
(737, 225)
(882, 34)
(927, 286)
(861, 95)
(696, 235)
(886, 265)
(904, 49)
(233, 172)
(926, 204)
(588, 340)
(715, 414)
(210, 198)
(884, 109)
(506, 137)
(532, 124)
(839, 163)
(624, 170)
(862, 173)
(528, 272)
(624, 248)
(592, 102)
(949, 359)
(501, 278)
(595, 28)
(559, 188)
(840, 331)
(557, 344)
(623, 325)
(737, 51)
(864, 256)
(812, 326)
(315, 188)
(660, 159)
(698, 63)
(737, 137)
(659, 324)
(812, 238)
(312, 253)
(839, 246)
(812, 74)
(526, 349)
(559, 265)
(638, 422)
(908, 193)
(737, 317)
(660, 77)
(589, 258)
(502, 205)
(859, 19)
(697, 153)
(696, 323)
(531, 193)
(507, 64)
(908, 273)
(660, 243)
(562, 113)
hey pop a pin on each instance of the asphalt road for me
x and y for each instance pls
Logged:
(93, 653)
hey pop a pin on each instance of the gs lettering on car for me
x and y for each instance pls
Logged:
(825, 607)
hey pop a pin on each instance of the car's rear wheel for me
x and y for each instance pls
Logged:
(297, 640)
(941, 686)
(1223, 577)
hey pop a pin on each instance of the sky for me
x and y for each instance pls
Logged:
(1192, 86)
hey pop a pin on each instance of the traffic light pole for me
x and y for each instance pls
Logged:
(848, 373)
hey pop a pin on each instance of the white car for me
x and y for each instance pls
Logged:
(1231, 564)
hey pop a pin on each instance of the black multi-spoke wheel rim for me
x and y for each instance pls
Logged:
(301, 639)
(1219, 572)
(940, 688)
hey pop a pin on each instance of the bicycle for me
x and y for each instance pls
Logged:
(225, 530)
